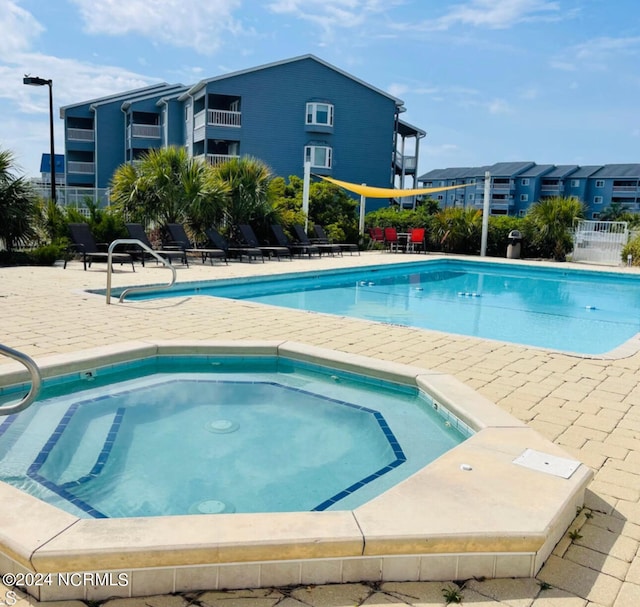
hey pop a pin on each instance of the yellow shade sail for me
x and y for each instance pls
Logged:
(371, 192)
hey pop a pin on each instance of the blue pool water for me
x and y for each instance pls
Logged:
(180, 435)
(571, 310)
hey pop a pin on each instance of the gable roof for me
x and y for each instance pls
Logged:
(538, 170)
(586, 171)
(509, 169)
(147, 90)
(203, 83)
(619, 170)
(562, 170)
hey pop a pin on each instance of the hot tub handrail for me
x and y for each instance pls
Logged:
(36, 381)
(141, 289)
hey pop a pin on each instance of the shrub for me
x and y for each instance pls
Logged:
(632, 248)
(47, 255)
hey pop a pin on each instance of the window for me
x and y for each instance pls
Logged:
(525, 181)
(524, 197)
(597, 200)
(471, 196)
(575, 183)
(318, 155)
(599, 183)
(521, 213)
(320, 113)
(595, 215)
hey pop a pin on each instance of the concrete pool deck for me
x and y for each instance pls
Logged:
(590, 406)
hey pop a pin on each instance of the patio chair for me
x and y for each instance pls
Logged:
(136, 230)
(416, 240)
(178, 238)
(323, 247)
(322, 238)
(251, 240)
(84, 244)
(391, 240)
(295, 248)
(376, 235)
(218, 240)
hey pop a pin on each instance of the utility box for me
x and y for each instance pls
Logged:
(515, 244)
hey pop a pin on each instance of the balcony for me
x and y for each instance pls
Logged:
(407, 164)
(80, 134)
(625, 188)
(224, 118)
(502, 185)
(85, 168)
(144, 131)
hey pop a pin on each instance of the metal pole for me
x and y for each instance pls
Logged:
(486, 209)
(305, 194)
(53, 151)
(363, 205)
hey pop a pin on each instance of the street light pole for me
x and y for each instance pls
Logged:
(36, 81)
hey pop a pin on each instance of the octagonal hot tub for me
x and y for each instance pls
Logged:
(261, 464)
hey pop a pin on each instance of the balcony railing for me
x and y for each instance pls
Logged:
(147, 131)
(87, 168)
(80, 134)
(217, 159)
(224, 118)
(546, 187)
(408, 163)
(625, 188)
(501, 185)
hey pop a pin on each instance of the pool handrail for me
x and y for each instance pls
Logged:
(141, 289)
(36, 381)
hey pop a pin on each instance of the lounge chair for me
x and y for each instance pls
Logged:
(250, 240)
(322, 238)
(218, 240)
(178, 238)
(136, 230)
(84, 244)
(323, 247)
(295, 248)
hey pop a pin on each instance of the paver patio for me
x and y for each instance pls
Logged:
(589, 405)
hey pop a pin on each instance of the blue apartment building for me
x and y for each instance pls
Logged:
(515, 186)
(284, 113)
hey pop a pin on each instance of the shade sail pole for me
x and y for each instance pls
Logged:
(305, 194)
(486, 209)
(363, 206)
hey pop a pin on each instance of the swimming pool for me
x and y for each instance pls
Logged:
(207, 435)
(581, 311)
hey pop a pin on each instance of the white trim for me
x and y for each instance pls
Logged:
(311, 113)
(310, 155)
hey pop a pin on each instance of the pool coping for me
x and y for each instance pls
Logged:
(489, 517)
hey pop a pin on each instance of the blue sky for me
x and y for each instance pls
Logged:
(551, 81)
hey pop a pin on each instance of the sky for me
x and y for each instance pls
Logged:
(548, 81)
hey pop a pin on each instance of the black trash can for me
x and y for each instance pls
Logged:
(515, 243)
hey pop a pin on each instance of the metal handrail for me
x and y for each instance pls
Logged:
(142, 289)
(36, 381)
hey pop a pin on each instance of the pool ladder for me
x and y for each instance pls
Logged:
(143, 289)
(36, 381)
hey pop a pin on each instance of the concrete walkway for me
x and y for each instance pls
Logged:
(589, 405)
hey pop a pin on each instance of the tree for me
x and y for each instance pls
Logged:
(18, 205)
(247, 181)
(167, 186)
(549, 222)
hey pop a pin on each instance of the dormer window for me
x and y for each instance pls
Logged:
(320, 113)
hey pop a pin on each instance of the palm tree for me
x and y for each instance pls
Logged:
(167, 186)
(550, 221)
(18, 205)
(248, 181)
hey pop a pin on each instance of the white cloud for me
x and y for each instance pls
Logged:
(18, 28)
(184, 23)
(596, 54)
(333, 14)
(499, 106)
(492, 14)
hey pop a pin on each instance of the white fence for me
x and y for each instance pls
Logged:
(600, 241)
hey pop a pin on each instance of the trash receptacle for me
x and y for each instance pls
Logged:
(513, 248)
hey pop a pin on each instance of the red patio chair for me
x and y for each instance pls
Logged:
(391, 239)
(416, 240)
(375, 235)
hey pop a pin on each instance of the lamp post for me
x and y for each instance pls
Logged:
(36, 81)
